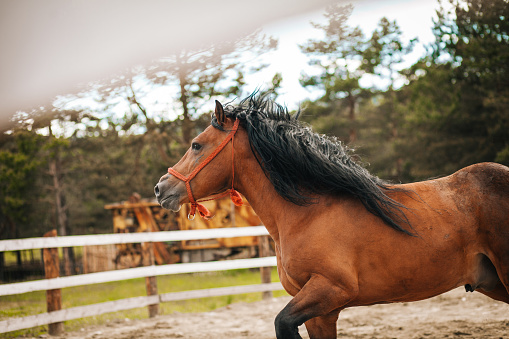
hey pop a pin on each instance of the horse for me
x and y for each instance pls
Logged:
(342, 236)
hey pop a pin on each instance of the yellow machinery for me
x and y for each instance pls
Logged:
(141, 215)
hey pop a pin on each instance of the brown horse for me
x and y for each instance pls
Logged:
(343, 237)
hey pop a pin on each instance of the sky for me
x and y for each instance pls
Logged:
(54, 47)
(414, 17)
(58, 46)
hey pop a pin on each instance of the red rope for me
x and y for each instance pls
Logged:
(234, 195)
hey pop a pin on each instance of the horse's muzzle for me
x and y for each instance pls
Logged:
(168, 196)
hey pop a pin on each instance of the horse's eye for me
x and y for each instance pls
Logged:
(195, 146)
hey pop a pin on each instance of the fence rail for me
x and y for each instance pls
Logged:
(149, 272)
(126, 238)
(132, 273)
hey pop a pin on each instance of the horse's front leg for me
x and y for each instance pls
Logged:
(323, 326)
(318, 298)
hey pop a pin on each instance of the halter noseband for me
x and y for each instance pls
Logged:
(234, 195)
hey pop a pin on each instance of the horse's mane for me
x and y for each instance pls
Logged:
(302, 164)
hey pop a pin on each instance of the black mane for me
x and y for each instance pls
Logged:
(302, 164)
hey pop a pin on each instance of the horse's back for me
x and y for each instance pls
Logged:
(492, 178)
(481, 191)
(488, 194)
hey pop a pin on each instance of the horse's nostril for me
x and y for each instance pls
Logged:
(156, 190)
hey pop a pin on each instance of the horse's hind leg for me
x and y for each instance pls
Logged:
(498, 293)
(494, 275)
(318, 298)
(501, 290)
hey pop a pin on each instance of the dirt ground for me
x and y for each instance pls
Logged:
(456, 314)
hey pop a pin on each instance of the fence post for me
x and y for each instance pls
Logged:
(150, 282)
(265, 272)
(53, 297)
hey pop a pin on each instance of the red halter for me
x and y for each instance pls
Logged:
(234, 195)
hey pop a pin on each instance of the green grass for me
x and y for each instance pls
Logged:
(35, 302)
(27, 255)
(10, 257)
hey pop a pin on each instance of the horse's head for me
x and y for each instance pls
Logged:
(206, 169)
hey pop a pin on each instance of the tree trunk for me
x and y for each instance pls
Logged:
(186, 122)
(61, 213)
(398, 166)
(351, 116)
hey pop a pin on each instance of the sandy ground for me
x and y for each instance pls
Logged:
(456, 314)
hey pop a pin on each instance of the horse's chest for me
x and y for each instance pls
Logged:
(293, 271)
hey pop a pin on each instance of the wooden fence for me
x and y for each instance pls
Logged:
(53, 283)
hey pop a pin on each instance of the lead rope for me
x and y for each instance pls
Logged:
(234, 195)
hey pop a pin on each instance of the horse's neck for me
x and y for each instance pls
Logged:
(270, 207)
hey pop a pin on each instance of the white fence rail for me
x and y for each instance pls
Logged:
(14, 324)
(132, 273)
(126, 238)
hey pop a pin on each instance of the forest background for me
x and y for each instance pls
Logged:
(61, 163)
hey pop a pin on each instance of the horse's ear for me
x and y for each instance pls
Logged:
(220, 116)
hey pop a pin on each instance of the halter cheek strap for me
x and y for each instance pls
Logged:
(234, 195)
